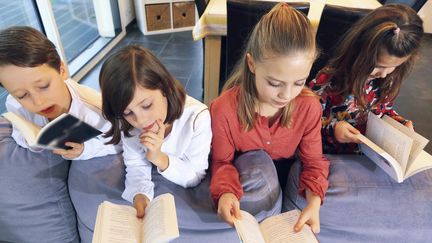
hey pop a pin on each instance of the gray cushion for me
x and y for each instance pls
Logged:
(90, 183)
(363, 204)
(35, 204)
(93, 181)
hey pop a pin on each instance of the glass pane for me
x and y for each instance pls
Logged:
(18, 12)
(83, 25)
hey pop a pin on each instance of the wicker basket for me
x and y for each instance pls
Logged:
(183, 14)
(158, 16)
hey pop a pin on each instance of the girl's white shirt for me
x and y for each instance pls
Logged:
(90, 114)
(187, 147)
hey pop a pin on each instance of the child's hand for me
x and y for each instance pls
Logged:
(345, 133)
(409, 124)
(140, 203)
(229, 208)
(310, 214)
(75, 151)
(153, 140)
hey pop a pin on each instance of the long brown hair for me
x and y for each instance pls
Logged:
(121, 73)
(282, 31)
(393, 28)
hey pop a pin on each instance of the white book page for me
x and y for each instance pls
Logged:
(419, 142)
(381, 158)
(118, 224)
(28, 129)
(98, 225)
(421, 163)
(160, 220)
(248, 229)
(394, 142)
(280, 229)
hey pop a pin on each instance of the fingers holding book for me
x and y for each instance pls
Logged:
(308, 217)
(140, 203)
(346, 133)
(75, 150)
(229, 208)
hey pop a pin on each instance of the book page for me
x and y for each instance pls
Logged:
(421, 163)
(160, 220)
(387, 163)
(116, 224)
(280, 228)
(392, 141)
(419, 142)
(28, 129)
(98, 225)
(248, 229)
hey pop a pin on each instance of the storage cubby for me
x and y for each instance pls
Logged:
(163, 16)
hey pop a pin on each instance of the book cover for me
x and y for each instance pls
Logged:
(54, 135)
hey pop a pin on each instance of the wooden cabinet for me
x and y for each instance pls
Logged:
(163, 16)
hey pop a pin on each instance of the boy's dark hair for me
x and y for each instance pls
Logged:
(393, 28)
(120, 74)
(25, 46)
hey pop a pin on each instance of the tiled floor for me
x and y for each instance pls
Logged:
(181, 55)
(183, 58)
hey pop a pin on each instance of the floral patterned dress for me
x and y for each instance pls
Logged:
(337, 107)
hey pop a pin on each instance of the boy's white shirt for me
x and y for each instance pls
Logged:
(187, 147)
(90, 114)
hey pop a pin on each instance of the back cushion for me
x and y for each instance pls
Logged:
(34, 200)
(335, 21)
(242, 16)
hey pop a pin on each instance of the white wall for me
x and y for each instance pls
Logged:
(426, 14)
(127, 11)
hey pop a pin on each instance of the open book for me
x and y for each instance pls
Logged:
(278, 228)
(64, 128)
(396, 149)
(118, 223)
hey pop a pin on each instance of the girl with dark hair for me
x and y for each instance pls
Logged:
(365, 74)
(158, 124)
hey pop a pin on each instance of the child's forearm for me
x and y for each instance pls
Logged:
(313, 199)
(161, 161)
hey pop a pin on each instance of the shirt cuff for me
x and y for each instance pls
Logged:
(84, 154)
(317, 186)
(130, 192)
(170, 171)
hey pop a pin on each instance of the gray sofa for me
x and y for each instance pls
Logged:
(46, 199)
(363, 204)
(34, 199)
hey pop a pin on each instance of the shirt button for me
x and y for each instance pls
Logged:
(268, 142)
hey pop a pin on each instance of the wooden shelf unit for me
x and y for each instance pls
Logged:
(164, 16)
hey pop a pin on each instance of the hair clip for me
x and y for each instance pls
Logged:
(396, 30)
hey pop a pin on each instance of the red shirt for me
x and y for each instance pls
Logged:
(279, 142)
